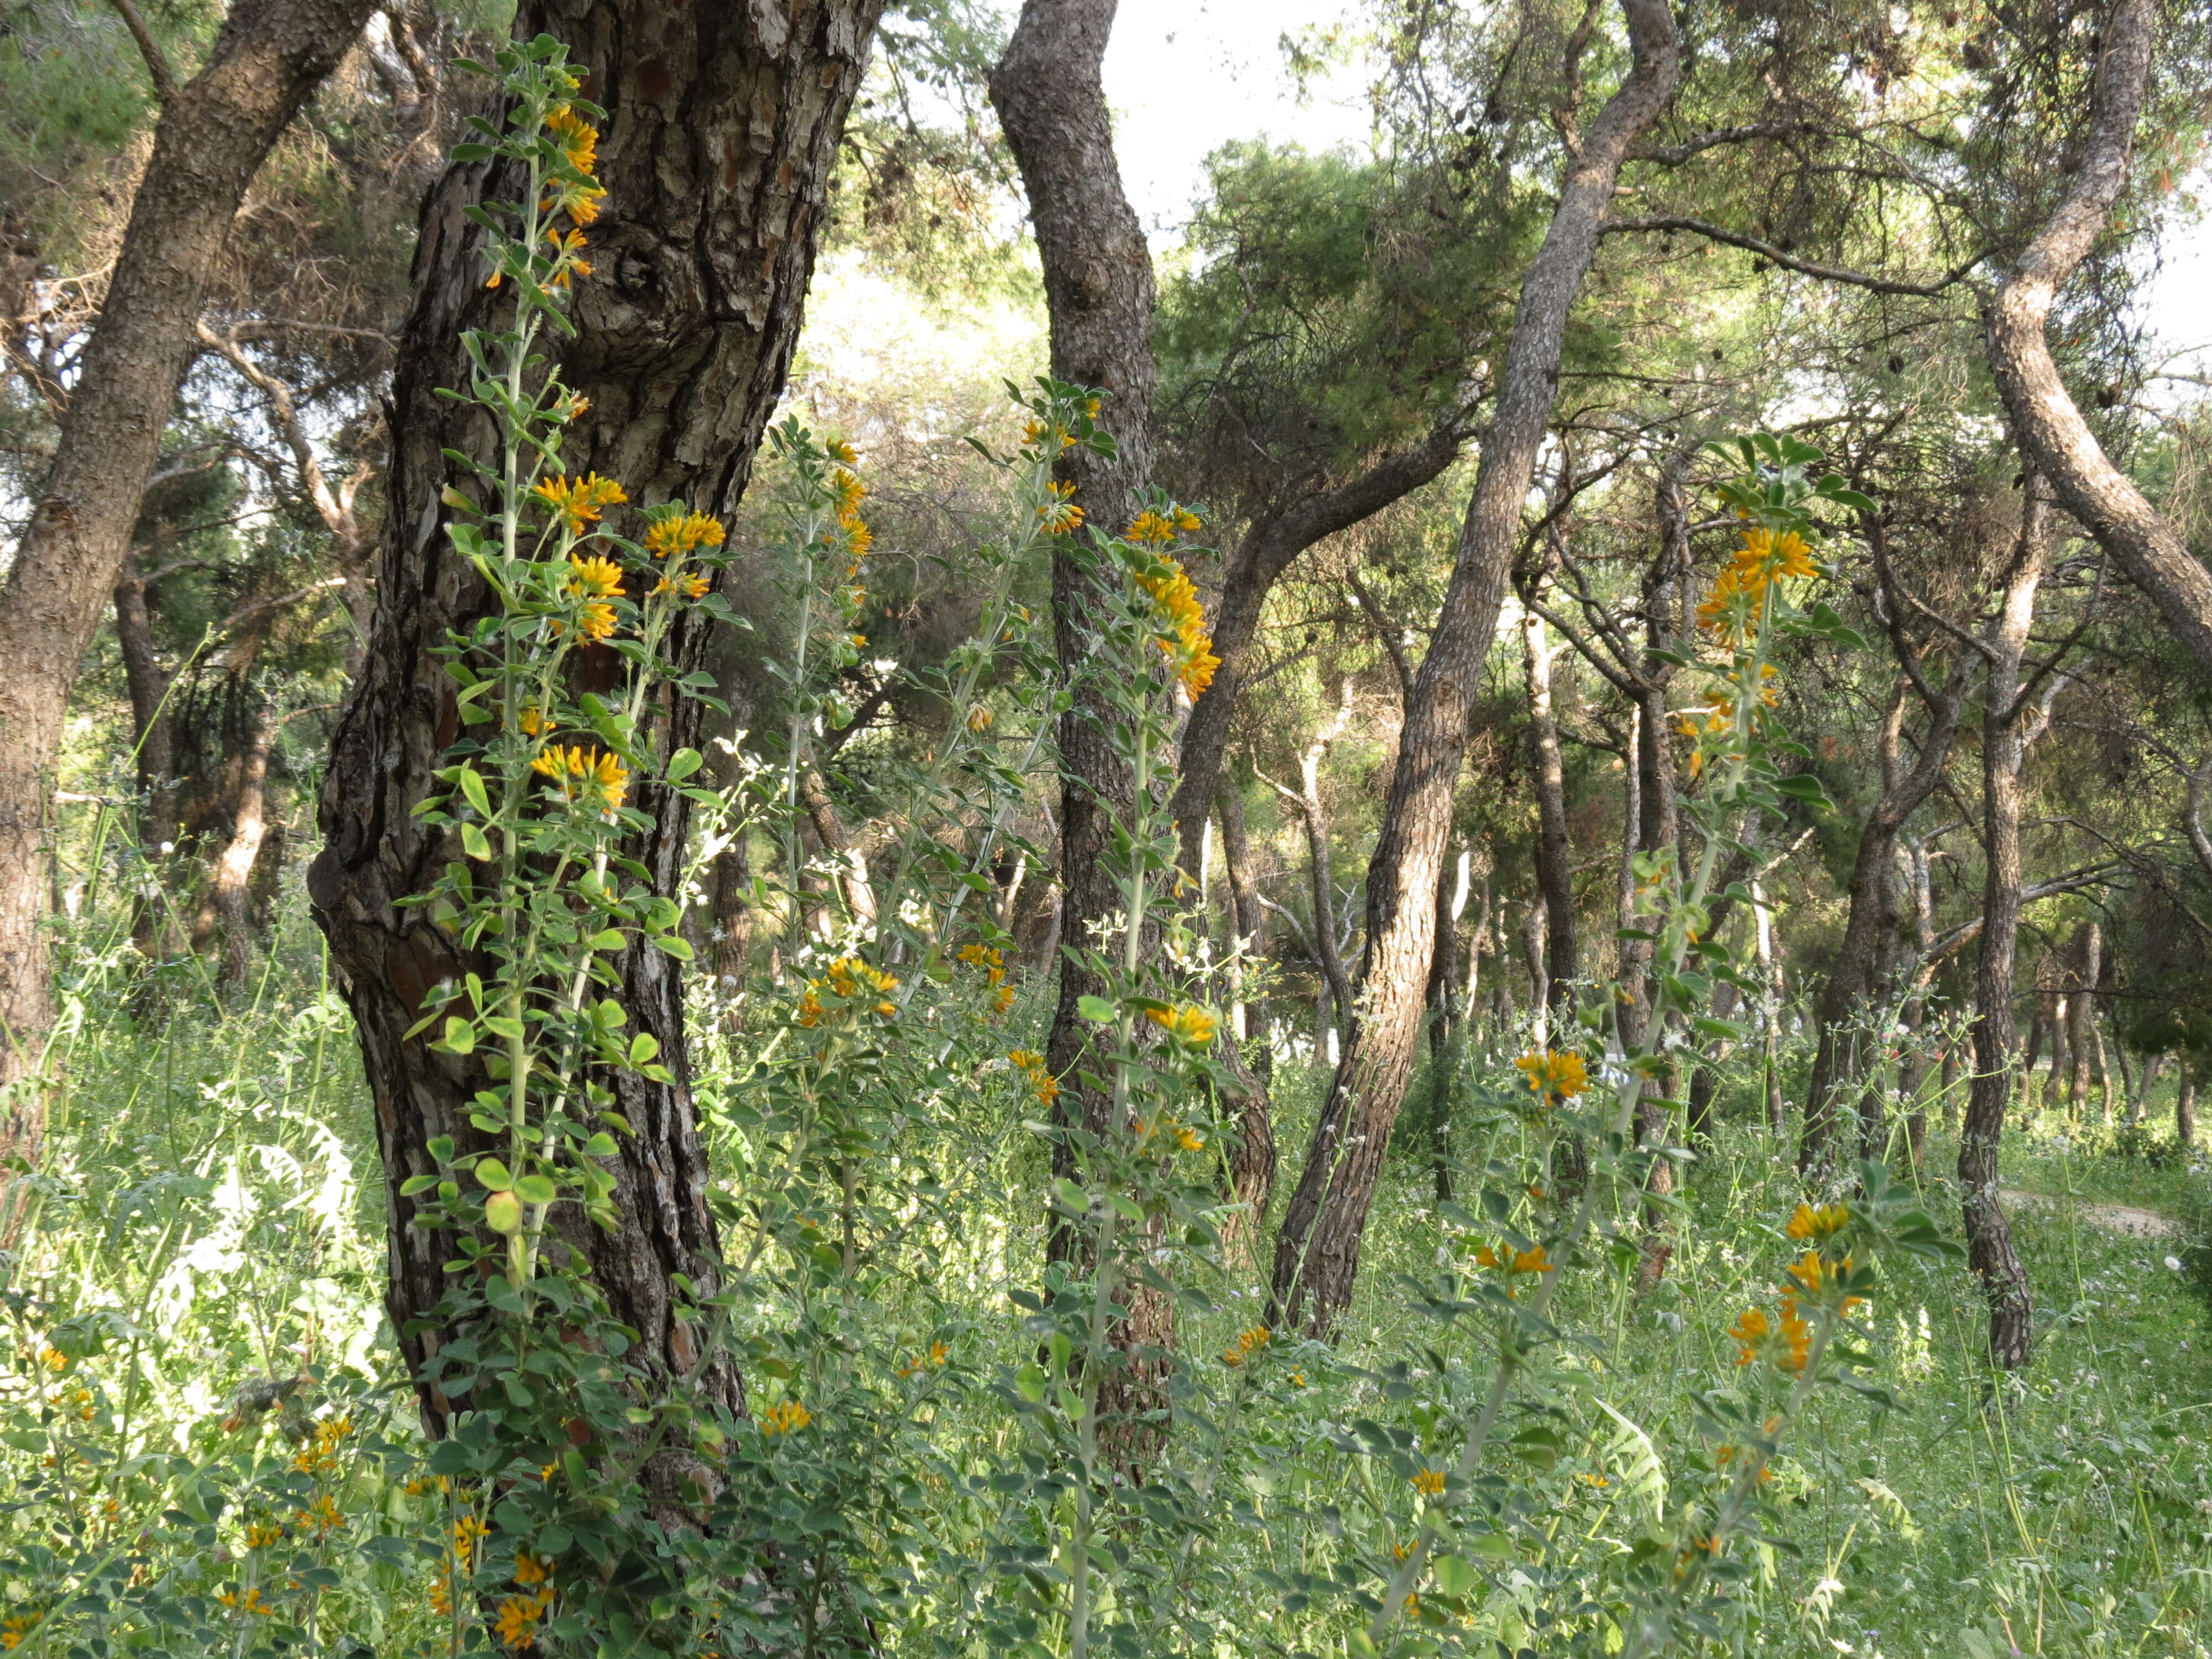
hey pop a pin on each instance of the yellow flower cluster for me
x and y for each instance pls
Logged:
(683, 534)
(582, 772)
(1732, 610)
(321, 1517)
(848, 978)
(1158, 529)
(578, 139)
(785, 1417)
(1430, 1483)
(1187, 1023)
(516, 1625)
(1818, 1226)
(248, 1600)
(17, 1626)
(578, 501)
(1243, 1348)
(262, 1534)
(1185, 643)
(1061, 516)
(849, 534)
(1785, 1338)
(1552, 1077)
(1173, 1128)
(319, 1456)
(1514, 1264)
(1043, 1083)
(932, 1361)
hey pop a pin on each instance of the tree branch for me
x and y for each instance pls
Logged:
(1790, 261)
(157, 64)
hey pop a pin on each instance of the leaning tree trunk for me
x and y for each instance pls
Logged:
(722, 129)
(2045, 415)
(214, 132)
(1317, 1248)
(1989, 1235)
(1248, 574)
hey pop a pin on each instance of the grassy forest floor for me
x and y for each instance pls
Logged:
(215, 1217)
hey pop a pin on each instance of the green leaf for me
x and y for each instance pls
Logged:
(493, 1174)
(503, 1212)
(1804, 786)
(1095, 1009)
(1453, 1575)
(472, 785)
(536, 1189)
(460, 1037)
(683, 763)
(610, 940)
(475, 843)
(673, 945)
(642, 1048)
(441, 1147)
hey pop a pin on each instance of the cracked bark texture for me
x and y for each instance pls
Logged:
(722, 127)
(1317, 1248)
(213, 134)
(2045, 416)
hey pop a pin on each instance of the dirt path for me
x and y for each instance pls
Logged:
(2118, 1217)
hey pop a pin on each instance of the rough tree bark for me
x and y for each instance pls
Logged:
(2085, 962)
(1317, 1249)
(2005, 706)
(722, 128)
(213, 133)
(2045, 416)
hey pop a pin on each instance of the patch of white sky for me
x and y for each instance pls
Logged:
(1185, 77)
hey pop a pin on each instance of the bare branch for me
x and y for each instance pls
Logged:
(1791, 262)
(157, 63)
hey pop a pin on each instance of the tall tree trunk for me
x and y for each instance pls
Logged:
(1852, 997)
(721, 134)
(1098, 292)
(2045, 416)
(1989, 1235)
(2184, 1105)
(1317, 1249)
(148, 682)
(1554, 878)
(1252, 1164)
(214, 132)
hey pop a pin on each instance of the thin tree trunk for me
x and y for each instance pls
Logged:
(1247, 916)
(1989, 1235)
(2045, 416)
(733, 918)
(1853, 994)
(1554, 856)
(721, 135)
(1317, 1249)
(213, 134)
(2087, 958)
(151, 735)
(2185, 1105)
(225, 906)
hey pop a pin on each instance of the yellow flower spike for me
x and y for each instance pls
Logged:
(578, 501)
(578, 139)
(1430, 1483)
(683, 533)
(1553, 1077)
(1150, 528)
(596, 577)
(1187, 1023)
(785, 1417)
(1751, 1332)
(838, 450)
(1817, 1226)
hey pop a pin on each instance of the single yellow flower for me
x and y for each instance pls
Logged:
(785, 1417)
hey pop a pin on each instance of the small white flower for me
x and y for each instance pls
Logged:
(2173, 1262)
